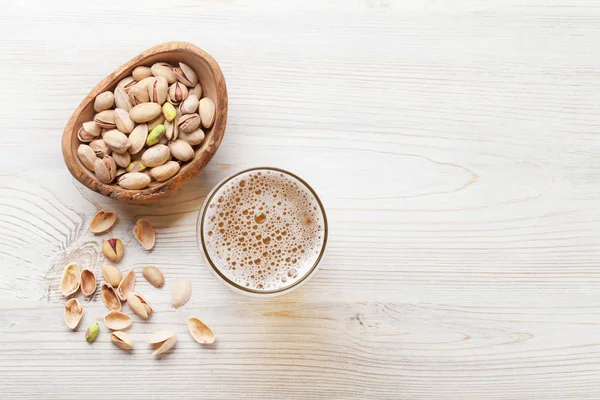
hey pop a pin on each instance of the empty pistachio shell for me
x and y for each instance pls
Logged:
(122, 159)
(144, 233)
(181, 150)
(199, 331)
(122, 340)
(156, 155)
(123, 122)
(165, 70)
(110, 298)
(141, 72)
(186, 75)
(139, 305)
(113, 249)
(100, 148)
(177, 92)
(134, 180)
(137, 138)
(189, 105)
(87, 156)
(71, 280)
(155, 135)
(169, 111)
(104, 101)
(73, 313)
(182, 291)
(188, 123)
(117, 321)
(116, 140)
(92, 332)
(207, 112)
(154, 276)
(126, 285)
(162, 341)
(122, 99)
(88, 282)
(165, 171)
(158, 89)
(145, 112)
(105, 169)
(196, 91)
(111, 274)
(102, 221)
(105, 119)
(193, 138)
(126, 82)
(137, 94)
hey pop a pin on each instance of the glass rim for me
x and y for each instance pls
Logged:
(215, 269)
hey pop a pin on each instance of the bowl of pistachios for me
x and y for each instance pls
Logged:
(150, 126)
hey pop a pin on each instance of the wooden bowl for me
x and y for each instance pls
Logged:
(213, 86)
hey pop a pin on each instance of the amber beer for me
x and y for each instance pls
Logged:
(263, 231)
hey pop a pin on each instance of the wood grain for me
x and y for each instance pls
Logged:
(453, 145)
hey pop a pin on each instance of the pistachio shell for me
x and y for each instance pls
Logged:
(171, 130)
(105, 169)
(103, 101)
(110, 298)
(122, 100)
(122, 159)
(126, 285)
(116, 140)
(154, 276)
(73, 313)
(189, 105)
(138, 94)
(100, 148)
(137, 138)
(87, 156)
(177, 92)
(88, 282)
(196, 91)
(123, 122)
(199, 331)
(158, 89)
(165, 171)
(126, 82)
(145, 112)
(207, 112)
(188, 123)
(155, 135)
(71, 280)
(141, 72)
(111, 274)
(120, 171)
(144, 233)
(139, 305)
(169, 111)
(105, 119)
(182, 291)
(134, 180)
(162, 341)
(89, 131)
(116, 320)
(193, 138)
(122, 340)
(165, 70)
(102, 221)
(145, 83)
(156, 155)
(186, 75)
(113, 249)
(181, 150)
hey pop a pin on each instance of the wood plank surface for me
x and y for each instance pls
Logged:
(454, 145)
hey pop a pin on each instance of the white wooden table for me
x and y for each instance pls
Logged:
(454, 144)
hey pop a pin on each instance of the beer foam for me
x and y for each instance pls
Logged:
(264, 230)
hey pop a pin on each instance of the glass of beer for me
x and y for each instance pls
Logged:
(262, 231)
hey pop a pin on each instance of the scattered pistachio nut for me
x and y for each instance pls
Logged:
(126, 285)
(110, 297)
(102, 221)
(182, 291)
(199, 331)
(88, 282)
(73, 313)
(71, 280)
(117, 321)
(154, 276)
(113, 249)
(122, 340)
(144, 233)
(166, 171)
(162, 341)
(92, 332)
(207, 112)
(111, 274)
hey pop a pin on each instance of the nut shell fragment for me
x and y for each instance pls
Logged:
(162, 341)
(144, 233)
(88, 282)
(110, 298)
(73, 313)
(122, 340)
(139, 305)
(117, 321)
(199, 331)
(126, 285)
(102, 221)
(182, 291)
(71, 280)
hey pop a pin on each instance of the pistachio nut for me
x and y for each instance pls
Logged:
(139, 305)
(73, 313)
(71, 280)
(116, 140)
(89, 131)
(137, 138)
(100, 148)
(145, 112)
(188, 123)
(186, 75)
(199, 331)
(181, 150)
(113, 249)
(182, 291)
(92, 332)
(120, 171)
(104, 101)
(189, 105)
(105, 119)
(116, 320)
(123, 122)
(145, 83)
(162, 342)
(126, 285)
(193, 138)
(122, 340)
(144, 233)
(87, 156)
(156, 155)
(158, 89)
(136, 166)
(84, 137)
(177, 92)
(134, 180)
(163, 140)
(141, 72)
(147, 172)
(102, 221)
(165, 70)
(156, 134)
(126, 82)
(122, 99)
(156, 121)
(169, 111)
(122, 159)
(110, 298)
(154, 276)
(196, 91)
(165, 171)
(137, 94)
(207, 112)
(111, 274)
(105, 169)
(171, 131)
(88, 282)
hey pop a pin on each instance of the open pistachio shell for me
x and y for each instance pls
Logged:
(102, 221)
(71, 280)
(144, 233)
(73, 313)
(154, 276)
(88, 282)
(117, 321)
(139, 305)
(110, 298)
(199, 331)
(122, 340)
(162, 341)
(126, 285)
(111, 274)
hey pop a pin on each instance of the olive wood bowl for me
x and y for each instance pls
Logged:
(213, 86)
